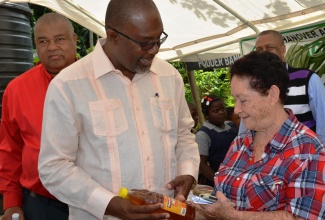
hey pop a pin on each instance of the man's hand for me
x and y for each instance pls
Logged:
(182, 185)
(9, 211)
(124, 209)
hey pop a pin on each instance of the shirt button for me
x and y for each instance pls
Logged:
(261, 161)
(250, 158)
(217, 172)
(148, 158)
(238, 178)
(261, 182)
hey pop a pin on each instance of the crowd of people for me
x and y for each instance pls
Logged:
(73, 132)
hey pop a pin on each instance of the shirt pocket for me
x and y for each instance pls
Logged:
(162, 113)
(264, 192)
(108, 117)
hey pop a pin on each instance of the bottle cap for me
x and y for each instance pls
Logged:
(123, 192)
(15, 216)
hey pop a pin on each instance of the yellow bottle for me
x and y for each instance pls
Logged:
(176, 208)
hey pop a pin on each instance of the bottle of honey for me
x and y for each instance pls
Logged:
(176, 208)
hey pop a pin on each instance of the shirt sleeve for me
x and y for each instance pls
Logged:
(11, 144)
(59, 146)
(316, 92)
(187, 153)
(203, 141)
(306, 192)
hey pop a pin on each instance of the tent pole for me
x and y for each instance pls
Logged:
(195, 95)
(91, 39)
(202, 50)
(85, 12)
(237, 15)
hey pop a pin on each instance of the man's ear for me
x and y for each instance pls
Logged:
(75, 38)
(111, 35)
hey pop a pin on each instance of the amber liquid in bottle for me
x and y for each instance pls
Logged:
(144, 197)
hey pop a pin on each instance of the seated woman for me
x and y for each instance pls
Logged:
(274, 170)
(214, 137)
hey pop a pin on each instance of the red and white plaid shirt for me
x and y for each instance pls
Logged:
(290, 176)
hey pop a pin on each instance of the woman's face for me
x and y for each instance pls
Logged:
(217, 113)
(250, 105)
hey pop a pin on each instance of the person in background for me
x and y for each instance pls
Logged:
(231, 116)
(214, 137)
(119, 118)
(306, 97)
(276, 169)
(194, 114)
(22, 110)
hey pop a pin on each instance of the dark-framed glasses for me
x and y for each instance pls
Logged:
(144, 46)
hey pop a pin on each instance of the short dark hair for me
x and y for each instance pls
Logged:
(264, 69)
(275, 34)
(120, 12)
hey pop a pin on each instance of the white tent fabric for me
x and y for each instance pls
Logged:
(196, 26)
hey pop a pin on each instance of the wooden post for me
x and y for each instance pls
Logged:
(195, 95)
(91, 39)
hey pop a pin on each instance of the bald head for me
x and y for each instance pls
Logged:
(275, 34)
(120, 12)
(55, 41)
(51, 18)
(271, 41)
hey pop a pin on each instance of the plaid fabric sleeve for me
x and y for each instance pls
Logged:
(306, 193)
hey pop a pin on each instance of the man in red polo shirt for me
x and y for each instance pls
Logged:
(21, 123)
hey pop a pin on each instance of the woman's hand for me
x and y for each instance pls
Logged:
(221, 209)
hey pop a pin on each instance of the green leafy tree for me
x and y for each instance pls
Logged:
(311, 55)
(216, 81)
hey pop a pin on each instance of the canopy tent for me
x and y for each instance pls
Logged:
(197, 26)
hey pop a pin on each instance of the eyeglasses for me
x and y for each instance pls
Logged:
(144, 46)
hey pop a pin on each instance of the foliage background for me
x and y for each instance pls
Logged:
(311, 55)
(215, 81)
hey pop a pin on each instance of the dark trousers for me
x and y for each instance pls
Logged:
(37, 207)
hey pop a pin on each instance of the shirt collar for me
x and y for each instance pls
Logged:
(102, 64)
(281, 138)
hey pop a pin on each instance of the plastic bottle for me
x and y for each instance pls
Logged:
(176, 208)
(15, 216)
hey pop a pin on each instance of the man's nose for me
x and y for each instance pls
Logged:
(154, 49)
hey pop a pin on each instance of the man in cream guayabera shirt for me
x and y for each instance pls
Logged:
(108, 125)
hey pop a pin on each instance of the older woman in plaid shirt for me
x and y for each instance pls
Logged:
(276, 169)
